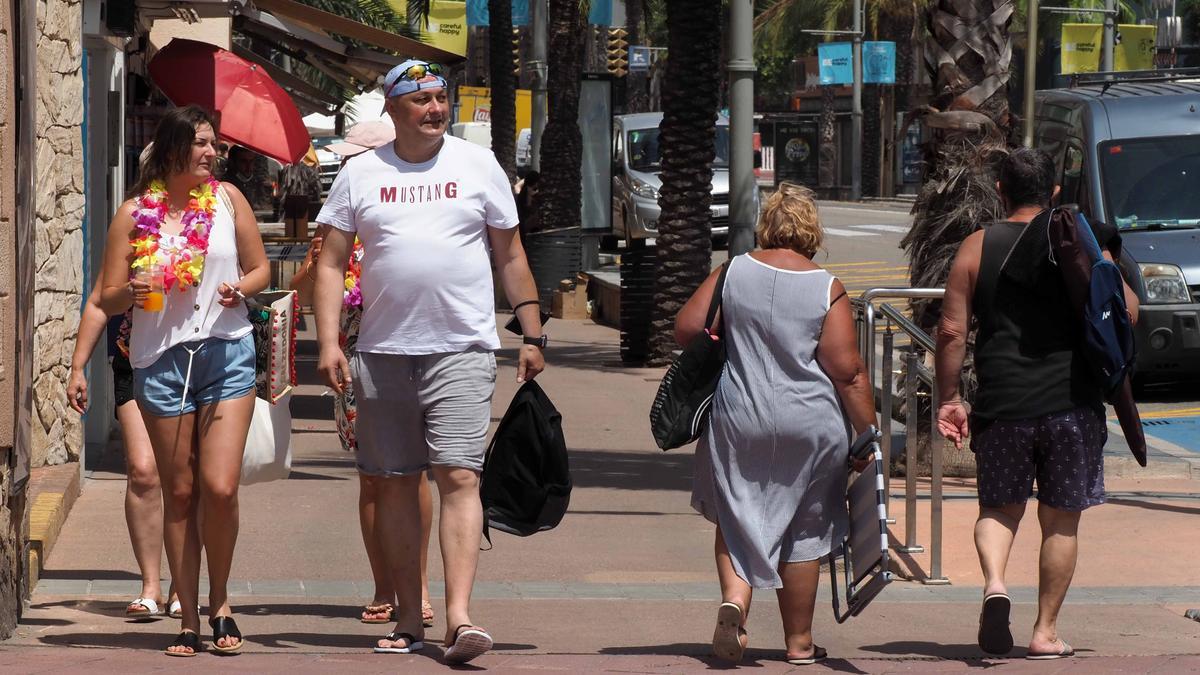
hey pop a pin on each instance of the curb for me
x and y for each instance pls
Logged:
(52, 492)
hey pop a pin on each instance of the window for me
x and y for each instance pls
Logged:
(1073, 177)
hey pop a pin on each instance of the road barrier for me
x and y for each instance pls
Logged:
(868, 307)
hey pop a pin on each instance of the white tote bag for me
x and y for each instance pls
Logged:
(268, 453)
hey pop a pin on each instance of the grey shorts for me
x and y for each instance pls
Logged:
(1064, 451)
(417, 411)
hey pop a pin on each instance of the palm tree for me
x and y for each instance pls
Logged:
(560, 193)
(637, 95)
(687, 139)
(968, 53)
(504, 86)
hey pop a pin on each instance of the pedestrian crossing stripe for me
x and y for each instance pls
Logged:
(847, 233)
(898, 229)
(870, 230)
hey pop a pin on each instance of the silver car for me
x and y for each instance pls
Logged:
(636, 167)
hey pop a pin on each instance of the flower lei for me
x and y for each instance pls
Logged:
(352, 297)
(185, 266)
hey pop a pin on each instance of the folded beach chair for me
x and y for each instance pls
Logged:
(864, 551)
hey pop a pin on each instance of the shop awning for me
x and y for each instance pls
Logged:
(303, 33)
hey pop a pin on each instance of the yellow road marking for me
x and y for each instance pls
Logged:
(854, 264)
(1162, 414)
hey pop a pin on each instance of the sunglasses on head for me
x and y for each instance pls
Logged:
(415, 73)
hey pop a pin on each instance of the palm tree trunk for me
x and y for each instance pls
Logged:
(503, 81)
(971, 131)
(826, 148)
(560, 193)
(688, 136)
(637, 94)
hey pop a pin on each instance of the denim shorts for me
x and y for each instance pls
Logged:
(1064, 451)
(220, 370)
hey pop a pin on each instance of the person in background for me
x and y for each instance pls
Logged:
(301, 186)
(362, 137)
(247, 171)
(771, 470)
(143, 492)
(1038, 413)
(527, 194)
(182, 254)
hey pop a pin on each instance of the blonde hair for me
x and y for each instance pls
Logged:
(790, 221)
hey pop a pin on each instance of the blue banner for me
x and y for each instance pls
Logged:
(835, 59)
(477, 13)
(601, 13)
(879, 62)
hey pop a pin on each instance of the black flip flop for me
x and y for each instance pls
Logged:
(819, 654)
(187, 639)
(225, 627)
(994, 634)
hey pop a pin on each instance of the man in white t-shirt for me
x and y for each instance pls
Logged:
(433, 213)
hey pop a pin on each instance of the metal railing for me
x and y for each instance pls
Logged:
(915, 374)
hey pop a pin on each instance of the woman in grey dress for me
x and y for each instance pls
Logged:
(771, 470)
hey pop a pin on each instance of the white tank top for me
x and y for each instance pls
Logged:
(195, 313)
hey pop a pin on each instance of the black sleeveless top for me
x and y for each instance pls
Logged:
(1027, 351)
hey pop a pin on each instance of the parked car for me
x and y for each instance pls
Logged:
(524, 150)
(635, 179)
(1128, 152)
(330, 162)
(479, 133)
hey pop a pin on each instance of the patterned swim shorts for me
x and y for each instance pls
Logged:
(1062, 450)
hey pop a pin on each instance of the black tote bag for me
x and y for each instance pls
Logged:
(681, 407)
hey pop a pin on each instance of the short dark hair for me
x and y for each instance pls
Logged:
(1027, 177)
(172, 149)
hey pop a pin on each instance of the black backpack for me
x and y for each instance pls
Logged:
(526, 482)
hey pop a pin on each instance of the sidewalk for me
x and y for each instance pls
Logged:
(626, 583)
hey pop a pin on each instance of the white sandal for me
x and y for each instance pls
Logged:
(149, 608)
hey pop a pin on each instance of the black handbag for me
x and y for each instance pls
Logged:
(681, 407)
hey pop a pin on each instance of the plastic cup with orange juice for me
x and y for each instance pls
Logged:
(152, 275)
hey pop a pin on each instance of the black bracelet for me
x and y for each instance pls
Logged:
(527, 302)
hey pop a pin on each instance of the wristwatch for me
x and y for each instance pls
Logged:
(539, 341)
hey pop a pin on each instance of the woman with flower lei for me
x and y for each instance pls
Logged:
(193, 353)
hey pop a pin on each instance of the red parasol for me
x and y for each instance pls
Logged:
(255, 111)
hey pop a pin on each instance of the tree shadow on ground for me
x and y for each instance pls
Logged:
(967, 654)
(631, 470)
(1154, 506)
(89, 575)
(702, 653)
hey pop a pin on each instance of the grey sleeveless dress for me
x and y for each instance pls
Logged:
(771, 469)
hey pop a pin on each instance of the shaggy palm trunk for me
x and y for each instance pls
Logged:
(827, 145)
(504, 86)
(872, 144)
(560, 198)
(967, 51)
(690, 92)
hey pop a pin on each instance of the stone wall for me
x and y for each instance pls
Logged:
(59, 209)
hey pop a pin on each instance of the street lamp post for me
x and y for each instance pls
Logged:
(856, 111)
(537, 64)
(742, 215)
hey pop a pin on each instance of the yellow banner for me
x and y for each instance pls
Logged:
(475, 105)
(1081, 45)
(447, 28)
(1136, 51)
